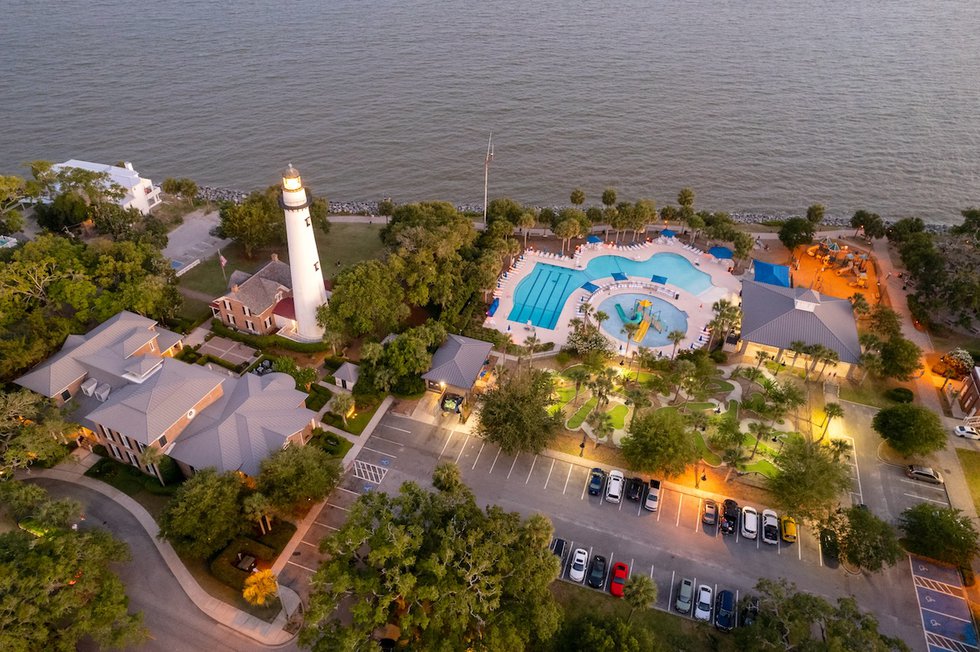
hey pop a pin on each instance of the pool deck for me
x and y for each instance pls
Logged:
(697, 306)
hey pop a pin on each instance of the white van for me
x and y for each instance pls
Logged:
(614, 486)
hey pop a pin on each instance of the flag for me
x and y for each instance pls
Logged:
(222, 260)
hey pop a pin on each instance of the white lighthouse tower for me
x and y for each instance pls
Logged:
(304, 261)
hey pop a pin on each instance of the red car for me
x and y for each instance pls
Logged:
(620, 572)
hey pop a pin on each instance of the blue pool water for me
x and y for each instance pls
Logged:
(671, 318)
(541, 295)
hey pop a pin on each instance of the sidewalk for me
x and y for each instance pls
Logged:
(236, 619)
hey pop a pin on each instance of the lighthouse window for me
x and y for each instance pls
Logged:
(308, 223)
(316, 266)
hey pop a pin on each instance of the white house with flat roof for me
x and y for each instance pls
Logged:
(140, 193)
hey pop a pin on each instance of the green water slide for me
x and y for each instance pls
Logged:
(635, 319)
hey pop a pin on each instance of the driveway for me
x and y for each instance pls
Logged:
(173, 620)
(666, 545)
(192, 240)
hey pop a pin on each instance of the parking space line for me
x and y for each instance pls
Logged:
(338, 507)
(585, 486)
(670, 592)
(942, 613)
(736, 607)
(567, 478)
(512, 465)
(390, 441)
(931, 500)
(365, 448)
(312, 545)
(660, 511)
(819, 551)
(629, 572)
(494, 461)
(329, 527)
(348, 491)
(697, 517)
(799, 543)
(533, 462)
(922, 615)
(478, 455)
(921, 484)
(306, 568)
(548, 479)
(394, 428)
(680, 504)
(639, 507)
(446, 445)
(651, 571)
(463, 448)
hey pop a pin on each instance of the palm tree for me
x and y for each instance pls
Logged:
(839, 448)
(733, 458)
(150, 457)
(639, 398)
(760, 357)
(830, 357)
(580, 376)
(675, 336)
(797, 347)
(860, 304)
(341, 405)
(258, 508)
(629, 329)
(601, 424)
(602, 385)
(760, 431)
(833, 411)
(577, 197)
(587, 310)
(639, 592)
(600, 317)
(813, 351)
(526, 221)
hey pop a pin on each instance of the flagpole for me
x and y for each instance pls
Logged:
(222, 261)
(486, 175)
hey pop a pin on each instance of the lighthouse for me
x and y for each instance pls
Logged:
(304, 261)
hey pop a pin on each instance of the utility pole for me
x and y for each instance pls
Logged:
(486, 175)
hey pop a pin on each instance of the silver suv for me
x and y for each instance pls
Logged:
(685, 596)
(924, 474)
(614, 486)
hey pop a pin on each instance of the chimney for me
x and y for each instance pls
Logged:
(275, 258)
(234, 288)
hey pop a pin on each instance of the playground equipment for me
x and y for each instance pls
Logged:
(644, 315)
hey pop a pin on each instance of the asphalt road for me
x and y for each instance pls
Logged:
(667, 545)
(173, 620)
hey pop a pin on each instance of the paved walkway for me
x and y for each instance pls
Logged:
(192, 240)
(244, 623)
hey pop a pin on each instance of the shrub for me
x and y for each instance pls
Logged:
(332, 363)
(900, 395)
(563, 358)
(718, 356)
(223, 567)
(318, 397)
(267, 341)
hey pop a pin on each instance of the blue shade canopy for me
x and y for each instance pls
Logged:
(667, 233)
(619, 276)
(590, 287)
(772, 274)
(659, 279)
(720, 252)
(493, 307)
(593, 239)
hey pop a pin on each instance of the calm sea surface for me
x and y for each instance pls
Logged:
(759, 105)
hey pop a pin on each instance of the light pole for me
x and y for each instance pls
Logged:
(486, 175)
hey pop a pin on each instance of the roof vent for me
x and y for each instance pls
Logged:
(808, 306)
(102, 392)
(88, 387)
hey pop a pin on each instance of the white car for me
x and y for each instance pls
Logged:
(580, 558)
(750, 522)
(967, 432)
(614, 486)
(770, 527)
(702, 608)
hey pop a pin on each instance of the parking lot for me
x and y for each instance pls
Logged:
(666, 545)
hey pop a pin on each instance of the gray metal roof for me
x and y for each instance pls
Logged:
(103, 353)
(349, 372)
(144, 411)
(777, 316)
(458, 361)
(259, 290)
(252, 420)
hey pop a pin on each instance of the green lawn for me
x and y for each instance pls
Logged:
(970, 460)
(331, 443)
(194, 311)
(706, 453)
(765, 467)
(582, 413)
(717, 386)
(868, 394)
(356, 424)
(618, 415)
(345, 244)
(565, 394)
(698, 406)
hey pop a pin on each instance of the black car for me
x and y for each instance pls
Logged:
(750, 611)
(725, 611)
(597, 572)
(729, 516)
(634, 489)
(560, 548)
(596, 479)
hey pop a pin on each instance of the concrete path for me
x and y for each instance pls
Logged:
(193, 239)
(258, 630)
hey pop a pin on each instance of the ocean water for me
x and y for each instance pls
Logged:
(758, 105)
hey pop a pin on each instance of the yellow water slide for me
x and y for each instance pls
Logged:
(644, 307)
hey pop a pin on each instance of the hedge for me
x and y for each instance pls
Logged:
(319, 395)
(223, 567)
(900, 395)
(267, 341)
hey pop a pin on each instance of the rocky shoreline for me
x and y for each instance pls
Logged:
(208, 193)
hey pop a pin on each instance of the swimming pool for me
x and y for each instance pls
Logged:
(541, 295)
(670, 318)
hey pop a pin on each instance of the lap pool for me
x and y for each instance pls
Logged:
(541, 295)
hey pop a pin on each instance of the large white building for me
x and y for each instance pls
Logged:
(140, 193)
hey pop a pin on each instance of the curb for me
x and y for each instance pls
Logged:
(221, 612)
